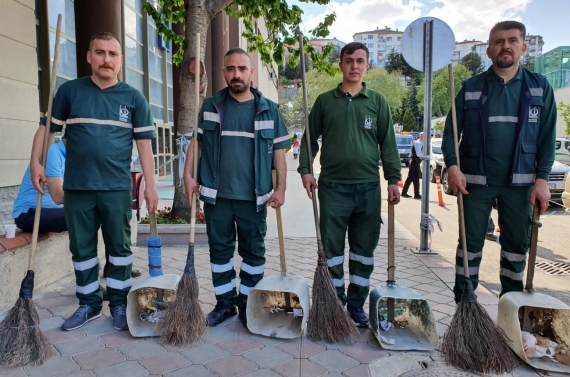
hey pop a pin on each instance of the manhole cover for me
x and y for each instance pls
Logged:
(438, 372)
(553, 268)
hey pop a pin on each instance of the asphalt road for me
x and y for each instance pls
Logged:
(553, 241)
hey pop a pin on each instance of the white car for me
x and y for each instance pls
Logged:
(436, 159)
(562, 152)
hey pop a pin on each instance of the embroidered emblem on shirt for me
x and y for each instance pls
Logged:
(533, 113)
(368, 122)
(123, 113)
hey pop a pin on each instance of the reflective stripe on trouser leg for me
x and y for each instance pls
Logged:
(363, 235)
(83, 222)
(336, 205)
(251, 229)
(116, 211)
(220, 227)
(515, 221)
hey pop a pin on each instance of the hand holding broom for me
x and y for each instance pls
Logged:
(473, 341)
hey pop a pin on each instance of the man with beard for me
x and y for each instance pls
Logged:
(241, 134)
(102, 115)
(506, 119)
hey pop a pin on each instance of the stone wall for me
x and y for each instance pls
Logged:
(7, 198)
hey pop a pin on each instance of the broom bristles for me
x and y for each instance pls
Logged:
(21, 340)
(475, 343)
(328, 320)
(184, 322)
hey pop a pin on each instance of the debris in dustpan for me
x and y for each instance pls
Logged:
(536, 346)
(147, 296)
(154, 312)
(549, 335)
(384, 323)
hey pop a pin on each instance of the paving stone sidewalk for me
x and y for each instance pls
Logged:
(230, 349)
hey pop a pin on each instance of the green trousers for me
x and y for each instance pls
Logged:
(356, 208)
(515, 220)
(85, 213)
(223, 220)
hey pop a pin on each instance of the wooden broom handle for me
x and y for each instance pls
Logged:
(279, 229)
(391, 244)
(43, 161)
(195, 135)
(533, 246)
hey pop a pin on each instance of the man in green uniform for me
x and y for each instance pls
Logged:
(506, 118)
(354, 122)
(241, 134)
(102, 117)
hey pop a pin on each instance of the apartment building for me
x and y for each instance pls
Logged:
(380, 43)
(322, 42)
(534, 44)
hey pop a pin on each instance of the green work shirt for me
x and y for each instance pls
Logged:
(237, 179)
(100, 127)
(352, 129)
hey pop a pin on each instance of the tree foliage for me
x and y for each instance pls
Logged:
(564, 112)
(440, 89)
(409, 121)
(294, 73)
(395, 62)
(472, 61)
(527, 62)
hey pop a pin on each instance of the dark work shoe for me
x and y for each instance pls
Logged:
(491, 237)
(119, 314)
(220, 313)
(81, 316)
(358, 315)
(417, 196)
(406, 195)
(242, 313)
(136, 273)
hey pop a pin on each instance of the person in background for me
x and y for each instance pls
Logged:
(414, 171)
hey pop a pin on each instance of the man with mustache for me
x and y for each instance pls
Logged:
(102, 117)
(506, 119)
(241, 134)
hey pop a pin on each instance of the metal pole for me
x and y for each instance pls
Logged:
(428, 44)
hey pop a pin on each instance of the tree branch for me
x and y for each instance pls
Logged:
(213, 7)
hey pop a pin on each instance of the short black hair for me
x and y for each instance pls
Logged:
(353, 46)
(236, 50)
(105, 36)
(507, 25)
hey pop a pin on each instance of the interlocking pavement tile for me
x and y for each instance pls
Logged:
(165, 362)
(440, 328)
(238, 328)
(80, 373)
(358, 371)
(261, 372)
(53, 367)
(231, 366)
(99, 358)
(438, 315)
(215, 334)
(363, 352)
(335, 346)
(267, 357)
(50, 323)
(266, 340)
(203, 353)
(364, 335)
(118, 338)
(63, 311)
(446, 320)
(125, 369)
(193, 371)
(444, 308)
(58, 335)
(138, 350)
(43, 313)
(12, 372)
(239, 345)
(430, 288)
(334, 360)
(300, 368)
(81, 345)
(99, 326)
(437, 298)
(301, 348)
(67, 290)
(54, 301)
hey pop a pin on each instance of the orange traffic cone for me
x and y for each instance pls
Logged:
(439, 193)
(400, 183)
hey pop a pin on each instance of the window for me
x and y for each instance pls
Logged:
(381, 46)
(67, 67)
(134, 44)
(380, 54)
(399, 39)
(370, 36)
(370, 45)
(388, 39)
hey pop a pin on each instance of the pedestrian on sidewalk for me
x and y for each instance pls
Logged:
(353, 121)
(506, 121)
(296, 147)
(103, 116)
(414, 171)
(241, 134)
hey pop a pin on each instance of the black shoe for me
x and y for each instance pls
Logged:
(220, 313)
(119, 314)
(358, 315)
(405, 195)
(417, 196)
(135, 273)
(242, 313)
(491, 237)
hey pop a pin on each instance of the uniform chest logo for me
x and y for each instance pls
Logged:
(368, 122)
(533, 114)
(123, 113)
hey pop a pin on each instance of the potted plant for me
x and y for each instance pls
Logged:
(173, 230)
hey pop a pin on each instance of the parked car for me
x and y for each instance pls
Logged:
(562, 152)
(405, 143)
(436, 160)
(556, 181)
(566, 195)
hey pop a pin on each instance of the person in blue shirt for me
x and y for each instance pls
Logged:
(52, 217)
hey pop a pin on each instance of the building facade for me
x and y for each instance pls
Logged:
(322, 42)
(555, 65)
(27, 31)
(534, 44)
(380, 43)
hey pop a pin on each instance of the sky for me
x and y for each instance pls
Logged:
(469, 19)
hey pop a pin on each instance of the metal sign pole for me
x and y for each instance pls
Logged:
(428, 53)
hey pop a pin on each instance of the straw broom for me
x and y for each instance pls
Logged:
(21, 340)
(328, 320)
(473, 341)
(184, 323)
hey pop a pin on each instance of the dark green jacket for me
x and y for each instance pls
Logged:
(269, 134)
(536, 131)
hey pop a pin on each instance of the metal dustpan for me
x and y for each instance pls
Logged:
(278, 306)
(536, 313)
(405, 310)
(147, 297)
